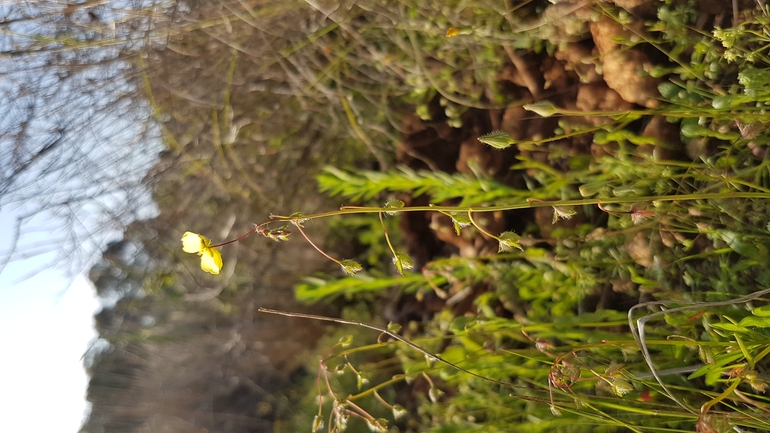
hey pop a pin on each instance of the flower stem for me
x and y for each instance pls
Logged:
(242, 237)
(302, 232)
(387, 237)
(475, 224)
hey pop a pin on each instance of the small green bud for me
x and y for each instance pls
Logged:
(351, 266)
(398, 411)
(362, 379)
(297, 221)
(394, 327)
(378, 425)
(341, 422)
(460, 221)
(278, 235)
(318, 424)
(497, 139)
(589, 189)
(393, 204)
(562, 212)
(731, 55)
(509, 240)
(728, 37)
(423, 112)
(543, 108)
(402, 261)
(725, 102)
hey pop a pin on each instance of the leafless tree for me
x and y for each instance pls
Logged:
(75, 138)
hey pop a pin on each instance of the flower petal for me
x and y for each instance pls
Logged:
(211, 260)
(192, 242)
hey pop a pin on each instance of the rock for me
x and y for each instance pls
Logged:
(599, 97)
(624, 69)
(604, 33)
(625, 72)
(609, 34)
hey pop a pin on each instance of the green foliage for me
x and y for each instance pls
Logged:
(314, 290)
(552, 357)
(365, 185)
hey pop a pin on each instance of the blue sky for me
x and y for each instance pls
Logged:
(81, 194)
(47, 323)
(47, 305)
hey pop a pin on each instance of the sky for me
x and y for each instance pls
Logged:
(46, 320)
(46, 306)
(47, 309)
(47, 327)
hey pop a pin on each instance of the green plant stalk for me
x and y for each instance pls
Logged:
(684, 113)
(478, 226)
(534, 144)
(373, 390)
(744, 350)
(762, 354)
(347, 210)
(387, 239)
(603, 415)
(642, 411)
(707, 406)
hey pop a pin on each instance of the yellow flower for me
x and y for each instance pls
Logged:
(193, 242)
(211, 258)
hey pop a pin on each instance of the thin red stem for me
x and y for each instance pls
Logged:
(299, 227)
(357, 410)
(382, 400)
(242, 237)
